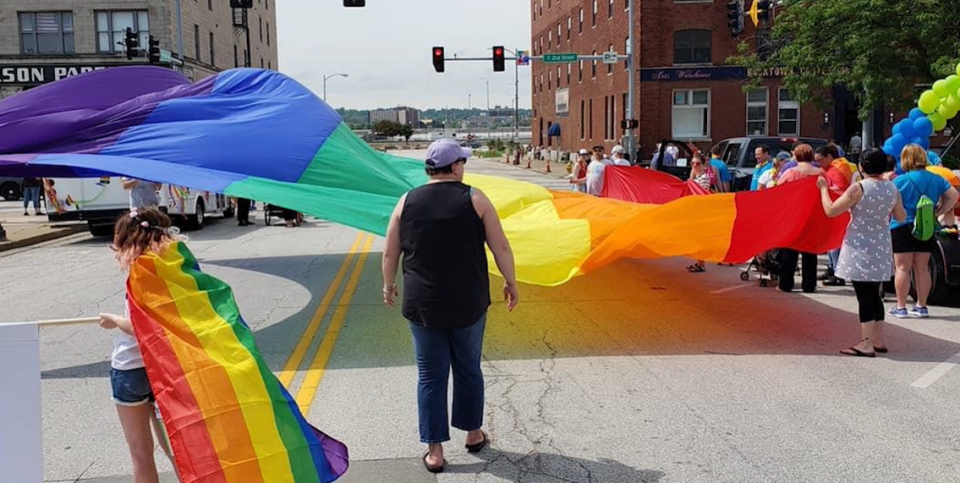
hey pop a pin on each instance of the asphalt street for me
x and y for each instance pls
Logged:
(639, 372)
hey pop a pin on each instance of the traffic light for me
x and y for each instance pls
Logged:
(763, 6)
(354, 3)
(498, 60)
(241, 3)
(154, 50)
(735, 17)
(438, 59)
(131, 43)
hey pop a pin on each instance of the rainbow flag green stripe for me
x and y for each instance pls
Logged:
(228, 417)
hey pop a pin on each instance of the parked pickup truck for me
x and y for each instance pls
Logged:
(737, 153)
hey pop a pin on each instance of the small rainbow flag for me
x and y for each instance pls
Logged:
(229, 419)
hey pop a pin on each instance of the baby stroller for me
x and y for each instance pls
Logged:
(766, 264)
(274, 211)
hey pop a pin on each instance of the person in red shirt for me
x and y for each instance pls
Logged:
(839, 178)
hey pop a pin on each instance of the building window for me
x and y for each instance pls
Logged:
(613, 118)
(550, 80)
(112, 28)
(268, 33)
(270, 64)
(692, 47)
(559, 33)
(581, 21)
(580, 78)
(789, 114)
(196, 41)
(591, 119)
(261, 62)
(594, 13)
(610, 9)
(607, 115)
(266, 4)
(559, 72)
(550, 39)
(213, 54)
(260, 22)
(757, 112)
(583, 127)
(610, 66)
(691, 113)
(569, 27)
(46, 33)
(210, 5)
(594, 67)
(569, 72)
(236, 56)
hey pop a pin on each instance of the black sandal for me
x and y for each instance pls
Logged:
(696, 269)
(476, 448)
(853, 351)
(432, 469)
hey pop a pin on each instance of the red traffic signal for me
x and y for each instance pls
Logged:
(498, 60)
(438, 59)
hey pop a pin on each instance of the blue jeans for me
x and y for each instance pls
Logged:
(437, 350)
(31, 194)
(834, 256)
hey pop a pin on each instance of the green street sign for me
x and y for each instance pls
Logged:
(165, 56)
(560, 58)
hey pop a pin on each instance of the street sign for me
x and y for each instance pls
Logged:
(560, 58)
(609, 57)
(523, 57)
(165, 56)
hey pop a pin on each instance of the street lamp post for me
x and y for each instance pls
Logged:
(327, 77)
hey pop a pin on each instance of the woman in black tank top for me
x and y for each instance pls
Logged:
(441, 230)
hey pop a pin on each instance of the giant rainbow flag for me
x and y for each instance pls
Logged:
(260, 135)
(228, 417)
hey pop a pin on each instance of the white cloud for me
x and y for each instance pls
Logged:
(386, 47)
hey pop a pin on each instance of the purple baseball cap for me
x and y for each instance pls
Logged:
(444, 152)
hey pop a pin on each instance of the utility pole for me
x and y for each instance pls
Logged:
(516, 99)
(629, 138)
(180, 32)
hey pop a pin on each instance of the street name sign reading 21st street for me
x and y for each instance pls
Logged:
(560, 58)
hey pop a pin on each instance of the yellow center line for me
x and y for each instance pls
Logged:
(315, 374)
(296, 358)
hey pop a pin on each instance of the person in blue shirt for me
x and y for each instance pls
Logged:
(909, 253)
(763, 165)
(723, 173)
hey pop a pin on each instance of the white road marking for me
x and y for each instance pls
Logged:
(937, 372)
(731, 289)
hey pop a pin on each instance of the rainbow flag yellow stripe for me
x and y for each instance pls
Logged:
(228, 417)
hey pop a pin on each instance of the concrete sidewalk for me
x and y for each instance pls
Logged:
(23, 231)
(369, 471)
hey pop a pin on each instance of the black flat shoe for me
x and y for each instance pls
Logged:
(476, 448)
(429, 467)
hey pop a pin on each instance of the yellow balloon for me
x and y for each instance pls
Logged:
(945, 111)
(939, 122)
(929, 102)
(952, 102)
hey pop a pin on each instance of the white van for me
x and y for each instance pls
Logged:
(99, 201)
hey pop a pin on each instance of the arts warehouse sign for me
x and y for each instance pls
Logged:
(34, 75)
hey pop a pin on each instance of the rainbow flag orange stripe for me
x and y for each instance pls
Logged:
(229, 419)
(559, 235)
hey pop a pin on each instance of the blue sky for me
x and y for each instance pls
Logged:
(385, 48)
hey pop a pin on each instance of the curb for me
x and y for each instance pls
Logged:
(52, 234)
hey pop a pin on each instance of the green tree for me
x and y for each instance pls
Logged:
(877, 49)
(406, 131)
(388, 128)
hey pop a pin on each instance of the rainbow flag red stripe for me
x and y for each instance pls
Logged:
(229, 419)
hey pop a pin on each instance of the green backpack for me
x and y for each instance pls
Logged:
(925, 222)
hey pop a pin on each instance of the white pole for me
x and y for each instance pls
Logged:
(631, 70)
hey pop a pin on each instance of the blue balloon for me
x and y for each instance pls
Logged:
(922, 127)
(897, 127)
(897, 142)
(916, 113)
(922, 142)
(906, 129)
(934, 158)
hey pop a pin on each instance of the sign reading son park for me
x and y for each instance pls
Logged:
(37, 74)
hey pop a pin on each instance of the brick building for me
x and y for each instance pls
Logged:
(402, 115)
(685, 89)
(45, 40)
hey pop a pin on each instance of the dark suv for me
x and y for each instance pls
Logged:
(738, 153)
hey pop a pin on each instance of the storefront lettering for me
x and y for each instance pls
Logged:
(32, 75)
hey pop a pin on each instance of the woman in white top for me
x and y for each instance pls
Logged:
(140, 231)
